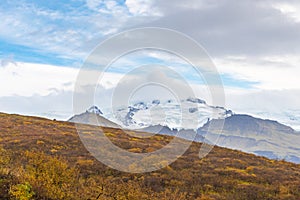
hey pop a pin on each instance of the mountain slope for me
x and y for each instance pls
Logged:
(246, 124)
(263, 137)
(223, 174)
(187, 134)
(246, 133)
(243, 132)
(93, 116)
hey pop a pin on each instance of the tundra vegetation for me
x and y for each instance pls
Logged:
(45, 159)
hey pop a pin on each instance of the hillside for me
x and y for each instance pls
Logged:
(93, 116)
(44, 159)
(246, 124)
(259, 136)
(249, 134)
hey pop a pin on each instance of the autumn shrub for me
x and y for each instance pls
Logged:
(5, 177)
(5, 159)
(50, 177)
(21, 192)
(222, 174)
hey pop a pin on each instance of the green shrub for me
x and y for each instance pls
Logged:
(21, 191)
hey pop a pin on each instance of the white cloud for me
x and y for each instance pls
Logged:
(109, 7)
(290, 9)
(26, 79)
(142, 7)
(67, 33)
(270, 72)
(64, 33)
(30, 29)
(280, 105)
(47, 90)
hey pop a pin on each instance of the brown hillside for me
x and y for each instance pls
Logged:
(44, 159)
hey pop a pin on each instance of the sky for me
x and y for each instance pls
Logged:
(254, 45)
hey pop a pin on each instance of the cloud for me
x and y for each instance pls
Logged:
(281, 105)
(227, 27)
(269, 72)
(253, 42)
(223, 27)
(7, 61)
(48, 91)
(289, 8)
(26, 79)
(43, 33)
(263, 100)
(65, 30)
(142, 8)
(149, 82)
(54, 105)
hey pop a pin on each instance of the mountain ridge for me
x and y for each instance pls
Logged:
(250, 134)
(93, 116)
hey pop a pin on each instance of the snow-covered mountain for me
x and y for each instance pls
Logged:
(243, 132)
(95, 110)
(93, 116)
(190, 113)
